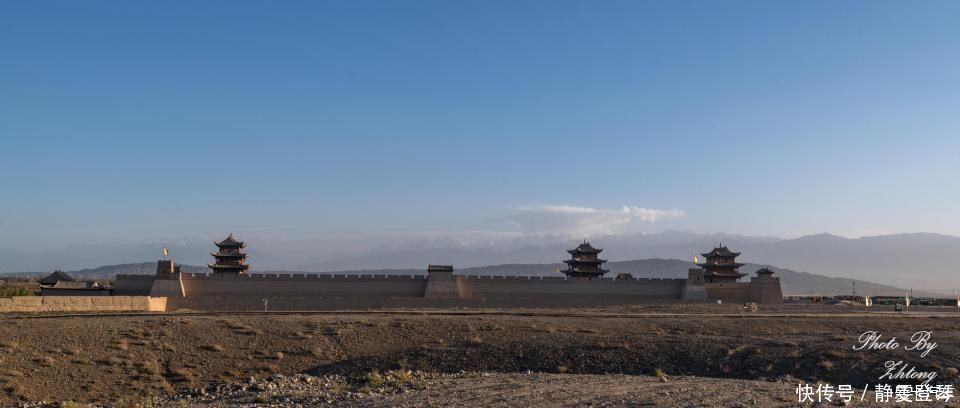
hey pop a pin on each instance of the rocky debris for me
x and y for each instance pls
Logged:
(277, 390)
(402, 388)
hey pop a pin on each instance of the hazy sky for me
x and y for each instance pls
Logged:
(157, 120)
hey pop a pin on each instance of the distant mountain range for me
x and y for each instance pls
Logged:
(793, 283)
(921, 261)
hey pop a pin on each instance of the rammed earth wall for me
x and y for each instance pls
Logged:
(83, 304)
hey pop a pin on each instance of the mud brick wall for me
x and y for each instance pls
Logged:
(83, 304)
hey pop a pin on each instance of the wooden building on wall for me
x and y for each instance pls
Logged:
(230, 258)
(721, 266)
(584, 262)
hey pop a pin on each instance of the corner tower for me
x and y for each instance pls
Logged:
(230, 259)
(584, 263)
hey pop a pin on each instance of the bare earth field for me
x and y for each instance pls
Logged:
(693, 355)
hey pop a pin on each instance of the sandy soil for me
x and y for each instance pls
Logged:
(737, 358)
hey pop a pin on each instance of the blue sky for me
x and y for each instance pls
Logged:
(294, 120)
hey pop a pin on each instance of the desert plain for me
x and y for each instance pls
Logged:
(679, 355)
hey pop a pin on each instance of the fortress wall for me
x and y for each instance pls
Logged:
(332, 292)
(83, 304)
(766, 290)
(273, 285)
(554, 288)
(133, 285)
(290, 303)
(729, 292)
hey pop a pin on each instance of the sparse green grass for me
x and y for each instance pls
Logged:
(10, 291)
(657, 372)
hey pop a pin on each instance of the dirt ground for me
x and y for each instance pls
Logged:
(712, 355)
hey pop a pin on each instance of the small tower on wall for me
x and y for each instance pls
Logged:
(721, 266)
(230, 259)
(584, 263)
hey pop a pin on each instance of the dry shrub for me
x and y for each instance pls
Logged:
(735, 350)
(214, 347)
(181, 372)
(950, 372)
(12, 373)
(123, 344)
(148, 367)
(114, 361)
(825, 364)
(400, 375)
(302, 336)
(562, 369)
(374, 377)
(475, 341)
(333, 331)
(235, 325)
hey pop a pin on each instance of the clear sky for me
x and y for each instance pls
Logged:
(156, 120)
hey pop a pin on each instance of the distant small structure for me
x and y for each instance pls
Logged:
(584, 262)
(59, 283)
(75, 288)
(230, 259)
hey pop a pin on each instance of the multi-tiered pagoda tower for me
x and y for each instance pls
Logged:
(584, 263)
(721, 266)
(230, 258)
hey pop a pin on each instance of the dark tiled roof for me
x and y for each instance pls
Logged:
(77, 285)
(764, 271)
(230, 242)
(56, 276)
(720, 251)
(585, 248)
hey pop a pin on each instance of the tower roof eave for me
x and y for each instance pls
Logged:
(220, 255)
(721, 251)
(229, 241)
